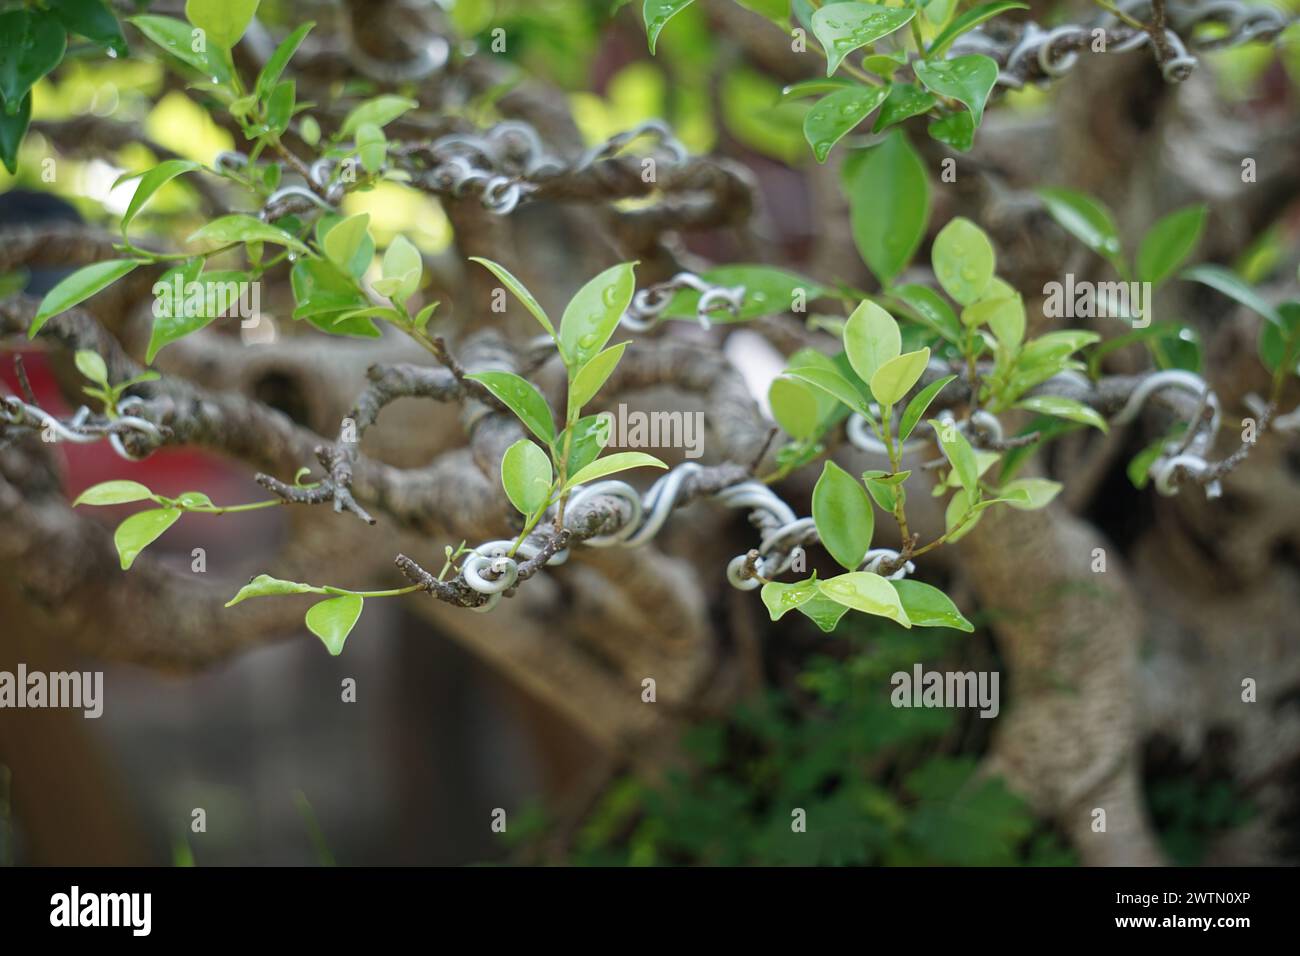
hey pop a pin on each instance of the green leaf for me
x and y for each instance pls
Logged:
(781, 598)
(175, 316)
(33, 44)
(954, 129)
(794, 407)
(79, 287)
(904, 101)
(656, 14)
(864, 591)
(927, 606)
(842, 28)
(526, 476)
(270, 74)
(896, 377)
(1037, 492)
(279, 107)
(1066, 408)
(522, 398)
(1279, 345)
(871, 338)
(592, 376)
(593, 313)
(379, 112)
(963, 260)
(91, 365)
(403, 264)
(93, 20)
(194, 499)
(614, 463)
(816, 87)
(266, 586)
(590, 436)
(13, 126)
(332, 620)
(224, 21)
(969, 21)
(113, 493)
(175, 36)
(241, 228)
(768, 291)
(520, 292)
(345, 239)
(930, 309)
(372, 147)
(1004, 316)
(140, 530)
(832, 117)
(823, 612)
(917, 407)
(967, 79)
(843, 515)
(1084, 218)
(960, 455)
(889, 207)
(1168, 243)
(1233, 286)
(832, 383)
(151, 180)
(321, 288)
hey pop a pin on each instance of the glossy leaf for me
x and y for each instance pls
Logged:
(113, 493)
(963, 260)
(611, 464)
(379, 111)
(795, 408)
(781, 598)
(224, 21)
(79, 287)
(896, 377)
(91, 365)
(345, 238)
(332, 620)
(927, 606)
(843, 515)
(905, 100)
(33, 44)
(241, 228)
(917, 407)
(1084, 218)
(889, 207)
(955, 129)
(140, 530)
(402, 266)
(1232, 285)
(13, 126)
(520, 292)
(1066, 408)
(526, 476)
(842, 28)
(270, 74)
(522, 398)
(1037, 492)
(91, 19)
(266, 586)
(656, 14)
(867, 592)
(592, 376)
(967, 79)
(960, 456)
(831, 117)
(593, 313)
(1168, 243)
(832, 383)
(151, 180)
(871, 338)
(930, 309)
(969, 21)
(823, 612)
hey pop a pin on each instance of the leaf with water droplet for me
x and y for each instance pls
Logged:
(844, 27)
(781, 598)
(834, 115)
(33, 42)
(967, 79)
(593, 313)
(889, 206)
(964, 260)
(657, 13)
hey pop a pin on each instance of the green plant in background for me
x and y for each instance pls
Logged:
(876, 783)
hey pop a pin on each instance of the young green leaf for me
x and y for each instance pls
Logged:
(224, 21)
(91, 365)
(611, 464)
(843, 515)
(79, 287)
(833, 116)
(522, 398)
(526, 476)
(175, 37)
(140, 530)
(871, 338)
(113, 493)
(867, 592)
(969, 21)
(151, 180)
(904, 101)
(917, 407)
(1036, 492)
(266, 586)
(593, 313)
(832, 383)
(927, 606)
(590, 436)
(656, 14)
(345, 238)
(896, 377)
(963, 260)
(1084, 218)
(332, 620)
(781, 598)
(1064, 408)
(404, 266)
(889, 206)
(270, 74)
(379, 112)
(823, 612)
(967, 79)
(794, 407)
(520, 292)
(768, 291)
(930, 309)
(960, 455)
(13, 126)
(241, 228)
(1168, 243)
(372, 147)
(592, 376)
(954, 129)
(844, 27)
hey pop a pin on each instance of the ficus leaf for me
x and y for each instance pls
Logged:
(831, 117)
(656, 14)
(91, 365)
(113, 493)
(963, 260)
(967, 79)
(1169, 242)
(843, 515)
(889, 206)
(522, 398)
(151, 180)
(520, 292)
(593, 313)
(896, 377)
(611, 464)
(867, 592)
(842, 28)
(526, 476)
(332, 620)
(266, 586)
(592, 376)
(927, 606)
(871, 338)
(78, 287)
(140, 530)
(794, 407)
(780, 598)
(919, 404)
